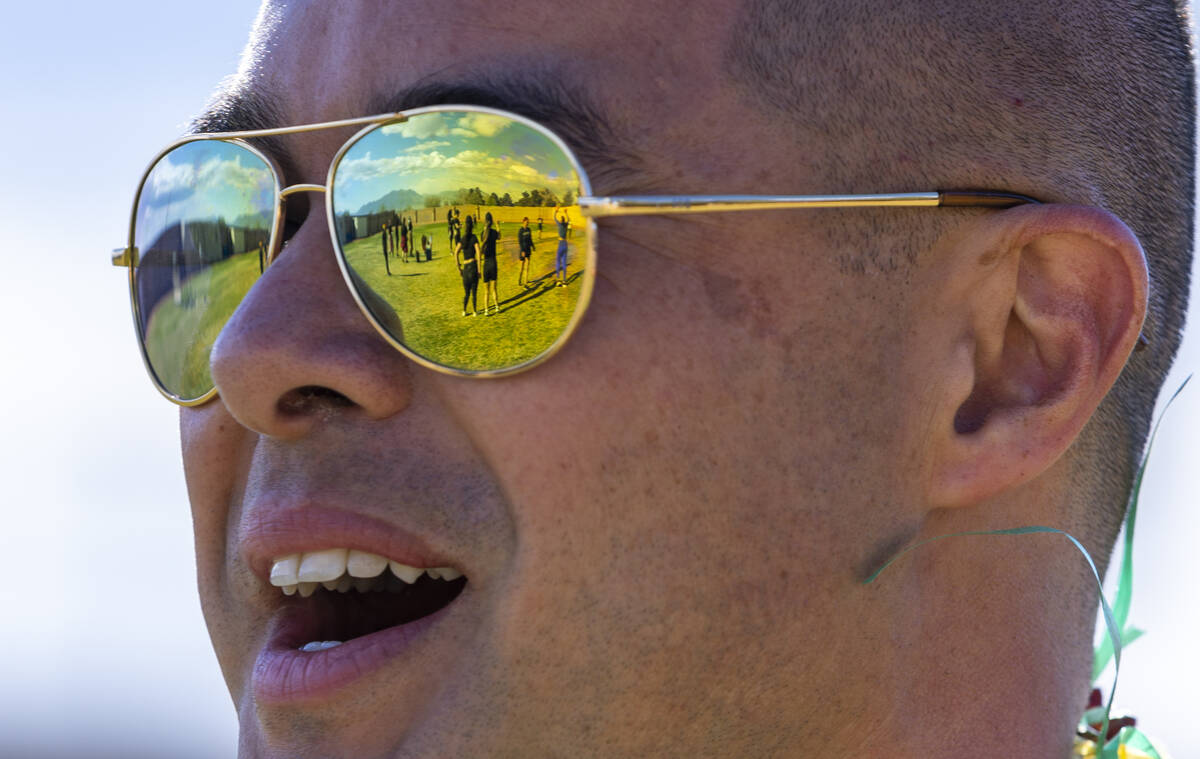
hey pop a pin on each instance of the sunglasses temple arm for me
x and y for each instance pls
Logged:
(637, 205)
(643, 205)
(984, 199)
(126, 257)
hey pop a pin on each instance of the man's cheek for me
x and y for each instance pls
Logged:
(209, 438)
(211, 442)
(216, 452)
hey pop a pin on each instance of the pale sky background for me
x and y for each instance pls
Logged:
(104, 649)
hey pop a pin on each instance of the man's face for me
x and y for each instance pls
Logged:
(662, 528)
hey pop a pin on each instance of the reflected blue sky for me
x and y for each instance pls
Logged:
(207, 180)
(440, 153)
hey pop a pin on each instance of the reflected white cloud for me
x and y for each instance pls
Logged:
(216, 173)
(420, 127)
(369, 167)
(363, 179)
(206, 181)
(469, 125)
(484, 124)
(430, 145)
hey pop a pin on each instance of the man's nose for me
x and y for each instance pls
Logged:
(299, 348)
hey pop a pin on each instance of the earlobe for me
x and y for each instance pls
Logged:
(1056, 303)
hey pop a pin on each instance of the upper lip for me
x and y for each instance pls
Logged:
(267, 533)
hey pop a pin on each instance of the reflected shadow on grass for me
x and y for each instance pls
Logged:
(545, 285)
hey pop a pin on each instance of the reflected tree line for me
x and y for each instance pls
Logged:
(187, 247)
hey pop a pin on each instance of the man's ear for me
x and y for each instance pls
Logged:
(1048, 302)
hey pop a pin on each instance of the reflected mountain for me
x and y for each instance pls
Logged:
(394, 201)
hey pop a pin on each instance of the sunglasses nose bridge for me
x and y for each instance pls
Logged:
(295, 188)
(284, 194)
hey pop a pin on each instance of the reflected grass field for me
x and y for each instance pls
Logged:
(428, 298)
(181, 330)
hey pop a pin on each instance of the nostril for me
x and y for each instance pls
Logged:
(303, 401)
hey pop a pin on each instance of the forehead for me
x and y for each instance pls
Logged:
(379, 46)
(647, 80)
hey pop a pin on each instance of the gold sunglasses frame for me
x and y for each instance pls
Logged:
(590, 207)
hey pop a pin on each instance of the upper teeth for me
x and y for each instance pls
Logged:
(335, 566)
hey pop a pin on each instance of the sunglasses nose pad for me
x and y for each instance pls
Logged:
(296, 208)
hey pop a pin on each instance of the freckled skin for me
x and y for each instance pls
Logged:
(665, 525)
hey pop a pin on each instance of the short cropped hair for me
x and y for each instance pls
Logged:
(1088, 103)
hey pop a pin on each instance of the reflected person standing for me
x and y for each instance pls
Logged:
(563, 223)
(468, 267)
(383, 239)
(524, 251)
(490, 271)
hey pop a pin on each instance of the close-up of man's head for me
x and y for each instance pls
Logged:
(552, 378)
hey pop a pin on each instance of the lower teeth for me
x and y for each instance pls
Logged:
(320, 645)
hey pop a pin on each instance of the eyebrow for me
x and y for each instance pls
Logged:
(242, 111)
(566, 110)
(547, 99)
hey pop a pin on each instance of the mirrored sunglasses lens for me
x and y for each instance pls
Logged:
(448, 228)
(202, 229)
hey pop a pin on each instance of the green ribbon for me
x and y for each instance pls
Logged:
(1104, 653)
(1120, 633)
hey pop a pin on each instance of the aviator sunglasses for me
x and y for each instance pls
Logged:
(208, 217)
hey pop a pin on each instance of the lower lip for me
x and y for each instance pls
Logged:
(285, 674)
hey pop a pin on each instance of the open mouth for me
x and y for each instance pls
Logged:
(341, 594)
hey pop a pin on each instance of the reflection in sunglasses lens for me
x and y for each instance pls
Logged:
(448, 227)
(202, 229)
